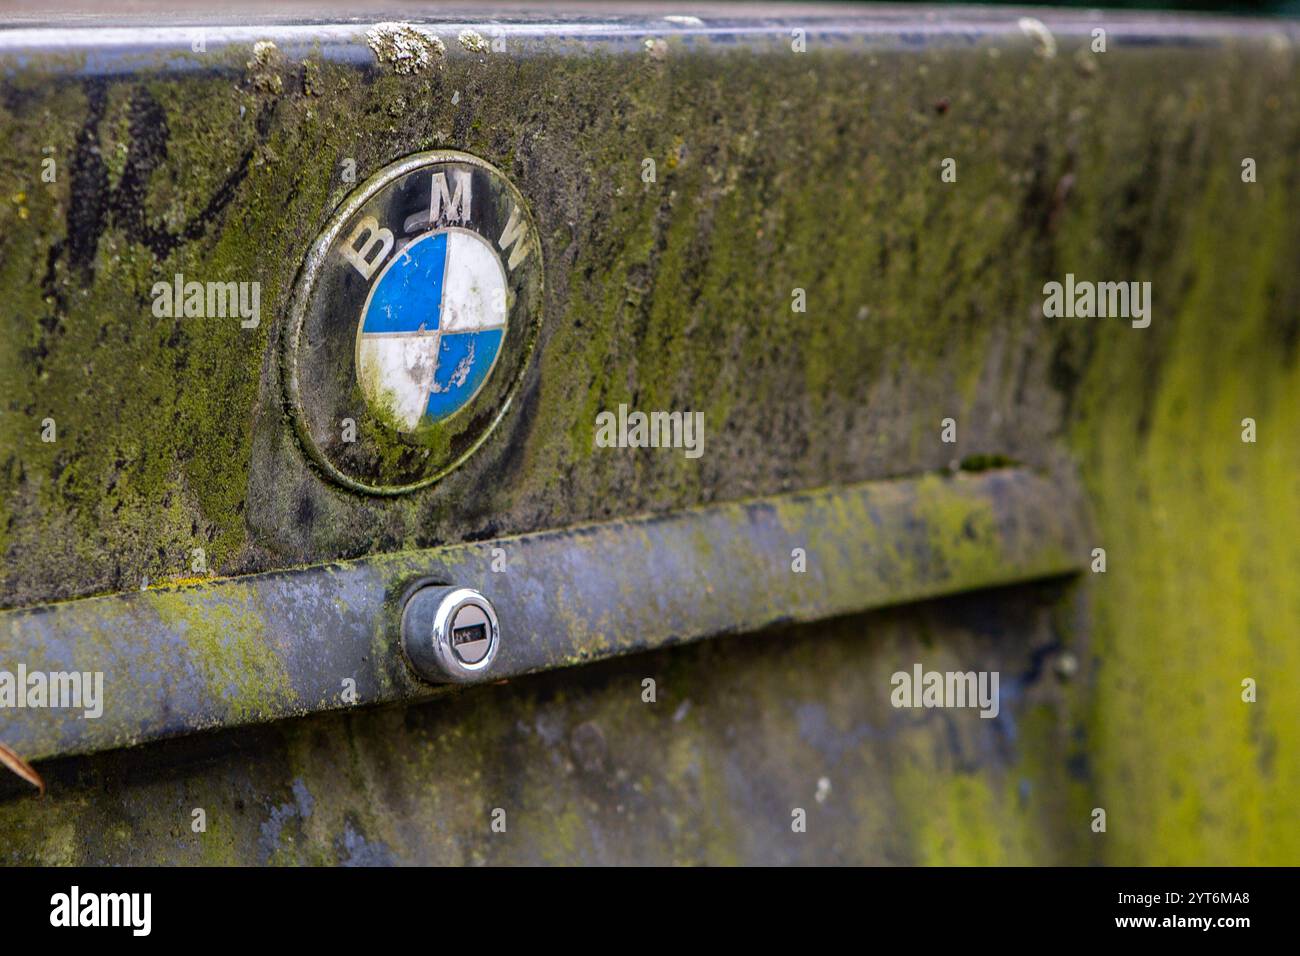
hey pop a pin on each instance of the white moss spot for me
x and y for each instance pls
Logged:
(408, 49)
(1036, 30)
(262, 67)
(474, 41)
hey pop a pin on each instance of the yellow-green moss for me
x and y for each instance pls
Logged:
(1201, 530)
(228, 647)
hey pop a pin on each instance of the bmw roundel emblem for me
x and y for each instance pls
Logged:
(412, 322)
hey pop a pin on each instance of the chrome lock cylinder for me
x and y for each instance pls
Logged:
(450, 634)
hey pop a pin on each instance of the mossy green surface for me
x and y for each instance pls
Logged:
(671, 294)
(773, 173)
(229, 646)
(740, 733)
(1202, 533)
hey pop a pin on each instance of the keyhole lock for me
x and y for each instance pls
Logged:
(450, 634)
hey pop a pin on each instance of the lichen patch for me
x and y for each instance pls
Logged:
(474, 42)
(406, 48)
(262, 67)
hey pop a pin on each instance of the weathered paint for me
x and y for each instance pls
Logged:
(264, 647)
(742, 733)
(775, 171)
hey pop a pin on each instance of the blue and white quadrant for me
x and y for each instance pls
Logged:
(432, 327)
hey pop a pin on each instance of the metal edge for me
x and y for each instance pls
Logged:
(111, 44)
